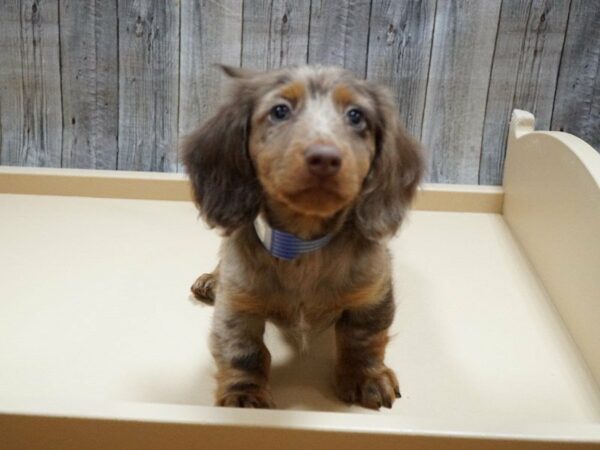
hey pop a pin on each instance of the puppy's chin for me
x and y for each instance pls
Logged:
(316, 201)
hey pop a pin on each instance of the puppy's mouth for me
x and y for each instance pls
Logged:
(319, 198)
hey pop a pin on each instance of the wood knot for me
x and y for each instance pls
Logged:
(285, 26)
(35, 14)
(390, 36)
(139, 27)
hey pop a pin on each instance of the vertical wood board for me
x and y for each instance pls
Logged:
(211, 33)
(463, 45)
(525, 68)
(275, 33)
(148, 85)
(399, 54)
(339, 33)
(577, 102)
(90, 83)
(30, 98)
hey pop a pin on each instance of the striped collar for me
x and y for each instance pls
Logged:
(284, 245)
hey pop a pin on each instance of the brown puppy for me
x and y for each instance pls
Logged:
(321, 158)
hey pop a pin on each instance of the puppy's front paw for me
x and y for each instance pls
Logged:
(371, 388)
(246, 399)
(204, 288)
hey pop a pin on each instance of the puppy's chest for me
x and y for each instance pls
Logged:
(305, 302)
(311, 292)
(301, 328)
(311, 274)
(302, 307)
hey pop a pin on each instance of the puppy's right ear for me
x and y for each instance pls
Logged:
(216, 157)
(238, 72)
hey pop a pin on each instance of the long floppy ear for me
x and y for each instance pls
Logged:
(394, 176)
(238, 72)
(216, 157)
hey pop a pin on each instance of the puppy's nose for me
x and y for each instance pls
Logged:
(323, 160)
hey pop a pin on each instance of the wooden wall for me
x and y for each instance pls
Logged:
(113, 84)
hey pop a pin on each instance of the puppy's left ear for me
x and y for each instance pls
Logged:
(395, 172)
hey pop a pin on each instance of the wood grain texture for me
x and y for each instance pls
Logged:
(400, 40)
(339, 32)
(525, 68)
(90, 83)
(211, 33)
(114, 83)
(30, 102)
(275, 33)
(577, 102)
(148, 84)
(463, 44)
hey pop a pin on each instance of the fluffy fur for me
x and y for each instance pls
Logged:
(245, 161)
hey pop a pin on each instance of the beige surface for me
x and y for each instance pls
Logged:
(95, 183)
(95, 311)
(459, 198)
(174, 186)
(554, 211)
(231, 430)
(101, 346)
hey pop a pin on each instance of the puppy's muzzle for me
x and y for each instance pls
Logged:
(323, 161)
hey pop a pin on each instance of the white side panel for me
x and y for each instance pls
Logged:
(552, 204)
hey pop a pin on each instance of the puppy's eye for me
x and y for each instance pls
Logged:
(355, 117)
(280, 112)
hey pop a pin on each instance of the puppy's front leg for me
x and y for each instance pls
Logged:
(362, 335)
(243, 360)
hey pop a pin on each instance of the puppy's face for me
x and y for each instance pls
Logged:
(312, 140)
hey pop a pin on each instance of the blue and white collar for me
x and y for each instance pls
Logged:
(285, 245)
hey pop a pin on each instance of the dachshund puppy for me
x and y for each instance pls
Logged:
(307, 171)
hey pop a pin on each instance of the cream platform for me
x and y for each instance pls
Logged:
(497, 334)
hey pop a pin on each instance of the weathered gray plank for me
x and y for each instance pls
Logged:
(211, 33)
(148, 84)
(401, 33)
(525, 68)
(339, 33)
(461, 60)
(90, 83)
(577, 101)
(30, 103)
(461, 116)
(275, 33)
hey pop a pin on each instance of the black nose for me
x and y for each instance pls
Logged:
(323, 160)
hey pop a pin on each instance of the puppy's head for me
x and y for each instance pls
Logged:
(314, 140)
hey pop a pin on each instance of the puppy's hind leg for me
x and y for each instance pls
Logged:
(205, 286)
